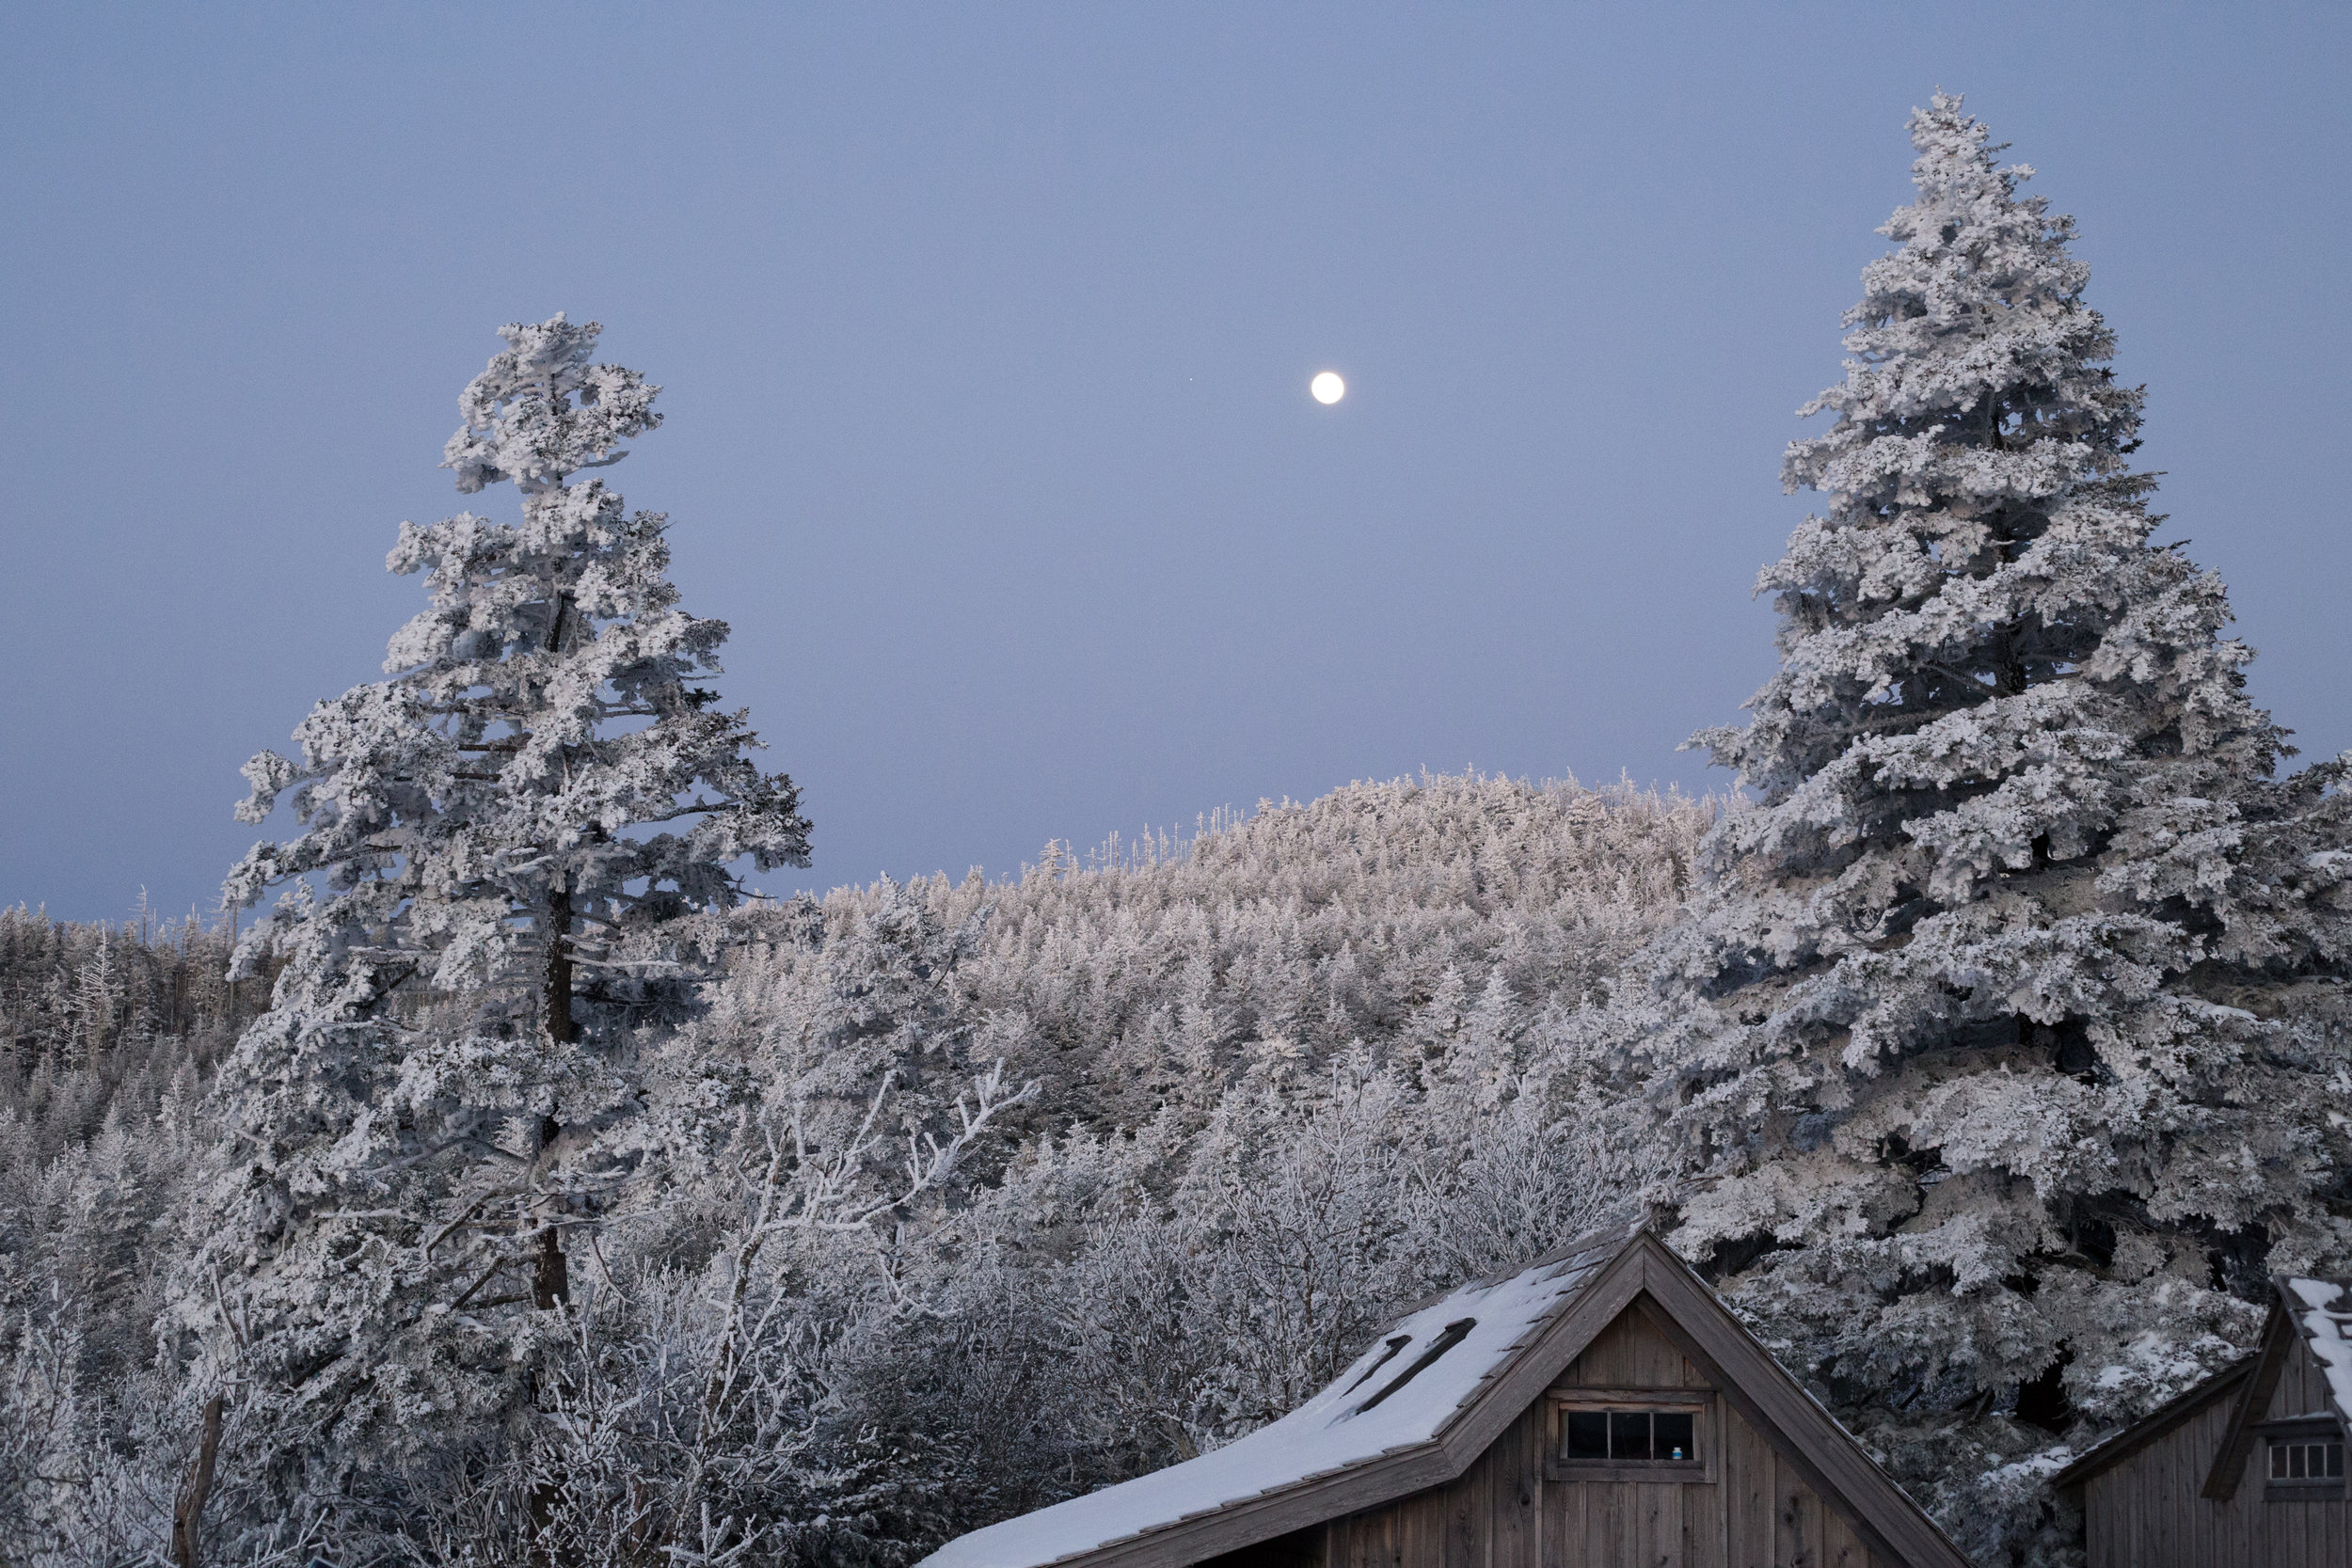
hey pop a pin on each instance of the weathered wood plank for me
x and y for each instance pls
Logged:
(1748, 1487)
(1566, 1505)
(1665, 1512)
(1797, 1522)
(1840, 1547)
(1703, 1522)
(1428, 1545)
(1587, 1541)
(1415, 1543)
(1519, 1484)
(1563, 1502)
(1657, 1360)
(1469, 1502)
(1608, 1364)
(2256, 1515)
(2199, 1444)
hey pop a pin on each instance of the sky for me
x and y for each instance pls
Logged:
(985, 334)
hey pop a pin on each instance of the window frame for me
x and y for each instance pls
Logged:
(2299, 1429)
(1703, 1405)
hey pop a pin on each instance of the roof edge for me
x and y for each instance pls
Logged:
(2119, 1446)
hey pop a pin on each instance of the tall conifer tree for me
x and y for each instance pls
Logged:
(2002, 1044)
(513, 854)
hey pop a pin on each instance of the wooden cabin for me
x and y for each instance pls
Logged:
(1600, 1410)
(2244, 1469)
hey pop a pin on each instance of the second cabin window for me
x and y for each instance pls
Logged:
(2319, 1459)
(1631, 1436)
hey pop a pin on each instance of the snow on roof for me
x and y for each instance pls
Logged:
(1398, 1394)
(2326, 1324)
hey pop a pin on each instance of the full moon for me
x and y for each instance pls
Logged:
(1328, 388)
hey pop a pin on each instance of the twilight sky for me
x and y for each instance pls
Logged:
(986, 333)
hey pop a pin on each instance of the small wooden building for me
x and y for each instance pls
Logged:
(1600, 1410)
(2244, 1469)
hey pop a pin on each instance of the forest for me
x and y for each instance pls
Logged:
(513, 1184)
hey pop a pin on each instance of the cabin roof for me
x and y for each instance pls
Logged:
(1425, 1401)
(2322, 1309)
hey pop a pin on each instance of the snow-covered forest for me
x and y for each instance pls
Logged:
(1258, 1086)
(520, 1186)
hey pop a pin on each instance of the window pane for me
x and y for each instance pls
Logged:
(1628, 1434)
(2277, 1461)
(1588, 1435)
(2294, 1462)
(1673, 1436)
(2335, 1461)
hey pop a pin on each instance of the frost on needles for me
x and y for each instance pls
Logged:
(514, 854)
(2003, 1051)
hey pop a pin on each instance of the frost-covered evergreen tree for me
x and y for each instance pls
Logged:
(513, 854)
(2001, 1047)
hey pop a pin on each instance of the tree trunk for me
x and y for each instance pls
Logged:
(557, 996)
(550, 1283)
(550, 1278)
(187, 1516)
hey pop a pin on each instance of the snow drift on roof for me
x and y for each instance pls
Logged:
(1395, 1395)
(2326, 1324)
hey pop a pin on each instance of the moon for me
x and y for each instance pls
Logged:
(1328, 388)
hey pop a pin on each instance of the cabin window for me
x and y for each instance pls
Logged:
(2309, 1458)
(1631, 1436)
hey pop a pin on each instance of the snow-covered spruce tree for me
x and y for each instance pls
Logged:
(513, 856)
(1999, 1049)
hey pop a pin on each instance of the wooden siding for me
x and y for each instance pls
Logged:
(1757, 1511)
(2148, 1511)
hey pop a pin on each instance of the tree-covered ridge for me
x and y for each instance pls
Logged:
(1357, 1020)
(1389, 913)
